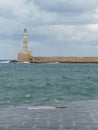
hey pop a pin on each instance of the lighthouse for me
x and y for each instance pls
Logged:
(25, 40)
(25, 54)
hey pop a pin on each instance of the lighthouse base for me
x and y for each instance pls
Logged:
(24, 56)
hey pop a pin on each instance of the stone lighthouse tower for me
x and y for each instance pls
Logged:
(25, 40)
(25, 54)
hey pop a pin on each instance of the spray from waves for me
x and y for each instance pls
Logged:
(5, 61)
(8, 61)
(25, 62)
(52, 63)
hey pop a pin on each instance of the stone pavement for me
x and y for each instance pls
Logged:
(81, 115)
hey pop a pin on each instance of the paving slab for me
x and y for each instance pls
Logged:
(80, 115)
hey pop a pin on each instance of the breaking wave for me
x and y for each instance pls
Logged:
(5, 61)
(25, 62)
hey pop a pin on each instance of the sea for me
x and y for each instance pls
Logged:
(30, 83)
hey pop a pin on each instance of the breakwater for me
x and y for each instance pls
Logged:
(60, 59)
(29, 58)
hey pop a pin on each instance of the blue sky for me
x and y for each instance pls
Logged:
(55, 27)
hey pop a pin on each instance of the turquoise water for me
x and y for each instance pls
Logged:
(22, 83)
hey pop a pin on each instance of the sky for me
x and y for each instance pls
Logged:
(55, 27)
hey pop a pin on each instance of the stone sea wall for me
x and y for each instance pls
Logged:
(65, 59)
(29, 58)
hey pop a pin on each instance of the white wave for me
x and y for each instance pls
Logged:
(53, 63)
(28, 95)
(41, 107)
(5, 61)
(26, 62)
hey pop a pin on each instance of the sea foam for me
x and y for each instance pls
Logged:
(7, 61)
